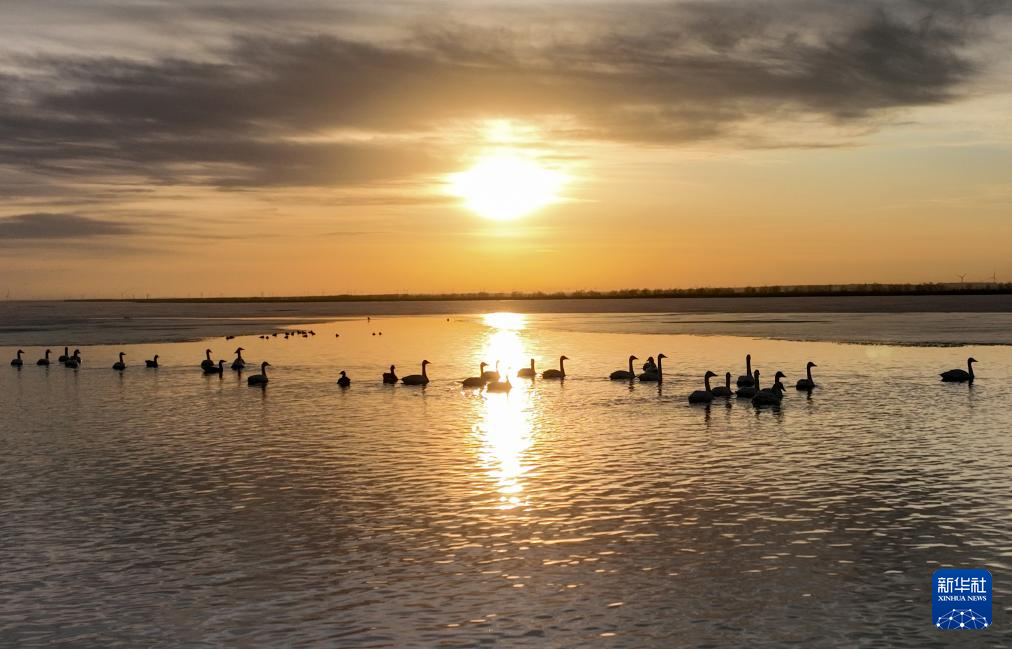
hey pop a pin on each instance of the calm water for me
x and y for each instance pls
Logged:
(163, 508)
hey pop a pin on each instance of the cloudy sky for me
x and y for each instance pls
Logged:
(183, 148)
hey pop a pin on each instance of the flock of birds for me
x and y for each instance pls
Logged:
(492, 381)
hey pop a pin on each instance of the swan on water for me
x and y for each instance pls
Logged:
(218, 369)
(207, 363)
(17, 362)
(491, 375)
(559, 373)
(390, 377)
(527, 372)
(770, 396)
(45, 360)
(723, 390)
(258, 379)
(624, 375)
(344, 381)
(417, 379)
(960, 376)
(119, 365)
(152, 363)
(239, 362)
(748, 391)
(476, 381)
(65, 356)
(746, 379)
(73, 361)
(807, 383)
(654, 377)
(499, 386)
(705, 395)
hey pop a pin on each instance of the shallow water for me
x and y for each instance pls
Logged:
(163, 508)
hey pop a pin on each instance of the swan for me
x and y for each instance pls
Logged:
(417, 379)
(218, 369)
(808, 383)
(44, 361)
(74, 361)
(17, 362)
(119, 365)
(344, 381)
(960, 376)
(152, 363)
(746, 379)
(559, 373)
(748, 391)
(706, 395)
(207, 363)
(238, 363)
(66, 355)
(655, 377)
(500, 386)
(770, 396)
(476, 381)
(624, 375)
(723, 390)
(258, 379)
(390, 377)
(491, 376)
(527, 372)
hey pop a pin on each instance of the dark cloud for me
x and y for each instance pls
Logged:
(46, 226)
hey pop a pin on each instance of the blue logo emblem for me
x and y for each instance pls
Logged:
(961, 599)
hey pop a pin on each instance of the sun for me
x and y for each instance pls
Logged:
(504, 186)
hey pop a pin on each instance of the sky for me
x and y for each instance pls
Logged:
(308, 147)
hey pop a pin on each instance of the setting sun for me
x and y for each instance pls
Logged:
(505, 186)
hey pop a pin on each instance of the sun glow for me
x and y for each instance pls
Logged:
(503, 186)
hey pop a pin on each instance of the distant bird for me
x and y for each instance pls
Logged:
(17, 362)
(119, 365)
(152, 363)
(525, 372)
(491, 375)
(417, 379)
(960, 376)
(344, 381)
(624, 375)
(748, 391)
(229, 337)
(74, 361)
(770, 396)
(337, 335)
(65, 356)
(705, 395)
(258, 379)
(746, 379)
(390, 377)
(808, 383)
(45, 360)
(476, 381)
(654, 377)
(238, 363)
(723, 390)
(207, 362)
(559, 373)
(499, 386)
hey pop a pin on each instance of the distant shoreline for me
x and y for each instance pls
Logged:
(848, 290)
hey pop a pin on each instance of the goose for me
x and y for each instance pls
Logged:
(390, 377)
(746, 379)
(491, 376)
(527, 372)
(238, 363)
(44, 361)
(624, 375)
(500, 386)
(476, 381)
(152, 363)
(17, 362)
(706, 395)
(770, 396)
(207, 363)
(960, 376)
(808, 383)
(655, 377)
(344, 381)
(417, 379)
(559, 373)
(119, 365)
(65, 356)
(218, 369)
(258, 379)
(748, 391)
(723, 390)
(74, 361)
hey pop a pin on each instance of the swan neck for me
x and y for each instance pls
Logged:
(809, 373)
(706, 382)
